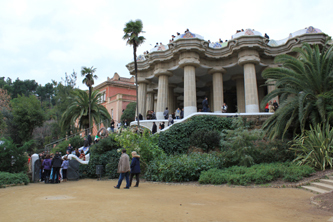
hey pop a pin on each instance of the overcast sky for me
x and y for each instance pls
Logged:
(42, 40)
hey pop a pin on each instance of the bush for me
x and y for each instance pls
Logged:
(245, 147)
(76, 142)
(205, 140)
(109, 160)
(176, 140)
(129, 113)
(107, 144)
(13, 178)
(12, 158)
(258, 174)
(181, 167)
(145, 145)
(315, 147)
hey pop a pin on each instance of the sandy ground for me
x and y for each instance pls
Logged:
(91, 200)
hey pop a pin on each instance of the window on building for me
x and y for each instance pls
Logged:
(111, 113)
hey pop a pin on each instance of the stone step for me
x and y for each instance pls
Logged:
(314, 189)
(329, 182)
(323, 186)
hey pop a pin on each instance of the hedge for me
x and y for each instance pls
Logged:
(13, 178)
(258, 174)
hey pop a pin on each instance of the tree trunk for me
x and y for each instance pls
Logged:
(90, 130)
(136, 84)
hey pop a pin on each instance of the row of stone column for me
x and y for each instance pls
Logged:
(246, 84)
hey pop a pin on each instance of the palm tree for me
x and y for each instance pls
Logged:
(305, 87)
(132, 31)
(79, 108)
(88, 73)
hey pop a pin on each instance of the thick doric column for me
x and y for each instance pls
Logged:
(189, 61)
(162, 93)
(171, 97)
(248, 59)
(150, 101)
(218, 101)
(240, 93)
(142, 95)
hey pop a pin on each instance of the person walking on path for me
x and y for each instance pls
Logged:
(123, 169)
(135, 168)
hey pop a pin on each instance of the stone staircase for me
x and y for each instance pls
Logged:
(323, 186)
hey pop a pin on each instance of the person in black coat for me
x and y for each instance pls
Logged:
(89, 139)
(56, 165)
(135, 168)
(154, 129)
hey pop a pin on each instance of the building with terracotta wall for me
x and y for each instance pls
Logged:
(117, 93)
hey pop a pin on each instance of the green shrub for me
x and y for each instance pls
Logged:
(258, 174)
(181, 167)
(13, 178)
(109, 157)
(315, 147)
(104, 145)
(205, 140)
(145, 145)
(76, 142)
(176, 140)
(245, 147)
(12, 158)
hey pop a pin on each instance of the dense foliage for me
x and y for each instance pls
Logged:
(13, 178)
(103, 153)
(129, 113)
(305, 88)
(12, 157)
(27, 114)
(315, 147)
(245, 147)
(145, 145)
(205, 140)
(258, 174)
(182, 167)
(109, 160)
(177, 138)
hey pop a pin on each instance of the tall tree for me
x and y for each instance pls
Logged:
(132, 31)
(89, 77)
(27, 114)
(305, 88)
(79, 108)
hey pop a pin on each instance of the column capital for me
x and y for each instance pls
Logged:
(160, 72)
(189, 59)
(218, 69)
(142, 80)
(248, 56)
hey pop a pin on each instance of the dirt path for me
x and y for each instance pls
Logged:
(91, 200)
